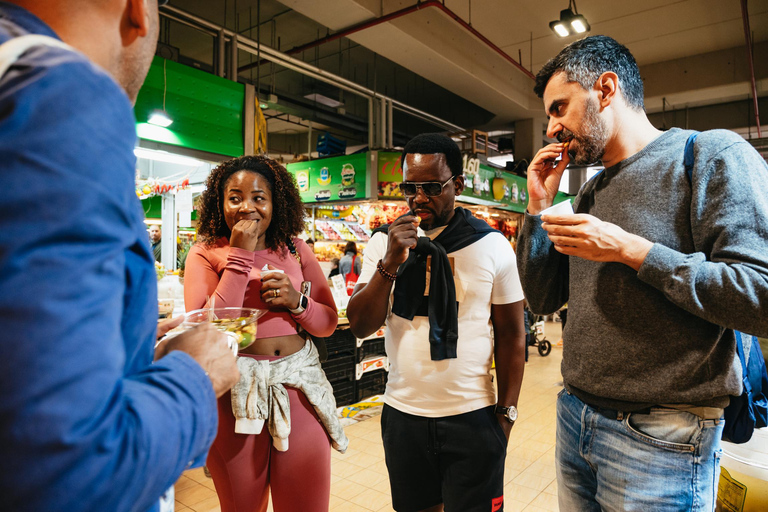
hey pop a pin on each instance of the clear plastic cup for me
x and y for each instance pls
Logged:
(239, 324)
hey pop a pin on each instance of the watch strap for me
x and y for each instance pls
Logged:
(303, 303)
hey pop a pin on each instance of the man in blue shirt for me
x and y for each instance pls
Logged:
(87, 420)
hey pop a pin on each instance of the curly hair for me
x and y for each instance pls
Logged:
(287, 208)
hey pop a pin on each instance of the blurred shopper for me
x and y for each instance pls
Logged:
(651, 266)
(250, 215)
(87, 420)
(445, 432)
(334, 267)
(156, 242)
(311, 244)
(349, 266)
(350, 256)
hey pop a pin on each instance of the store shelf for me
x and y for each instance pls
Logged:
(374, 383)
(371, 364)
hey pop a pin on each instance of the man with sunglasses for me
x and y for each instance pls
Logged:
(442, 279)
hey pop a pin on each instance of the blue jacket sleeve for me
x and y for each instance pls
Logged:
(87, 421)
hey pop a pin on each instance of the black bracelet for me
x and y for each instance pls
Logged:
(386, 275)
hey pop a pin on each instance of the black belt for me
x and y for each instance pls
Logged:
(613, 414)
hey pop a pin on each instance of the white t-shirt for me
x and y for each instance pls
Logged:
(485, 273)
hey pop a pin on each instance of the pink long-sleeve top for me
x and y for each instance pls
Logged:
(233, 276)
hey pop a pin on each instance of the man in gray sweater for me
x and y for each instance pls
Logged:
(657, 270)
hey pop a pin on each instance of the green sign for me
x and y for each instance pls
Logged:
(485, 185)
(495, 187)
(207, 110)
(340, 178)
(390, 175)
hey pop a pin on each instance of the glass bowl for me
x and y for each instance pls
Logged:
(239, 324)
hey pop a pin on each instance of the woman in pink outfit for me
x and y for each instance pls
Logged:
(250, 214)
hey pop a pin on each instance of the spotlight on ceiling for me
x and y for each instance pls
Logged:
(570, 22)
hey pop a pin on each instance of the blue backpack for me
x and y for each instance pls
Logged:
(749, 410)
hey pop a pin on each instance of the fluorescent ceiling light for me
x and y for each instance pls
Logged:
(324, 100)
(160, 118)
(164, 156)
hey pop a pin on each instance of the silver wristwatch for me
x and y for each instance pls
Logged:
(303, 303)
(509, 413)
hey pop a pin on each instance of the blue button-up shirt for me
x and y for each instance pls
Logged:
(87, 421)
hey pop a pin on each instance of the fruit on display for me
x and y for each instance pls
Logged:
(327, 230)
(360, 232)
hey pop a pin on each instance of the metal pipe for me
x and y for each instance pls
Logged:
(220, 41)
(370, 123)
(382, 122)
(390, 126)
(747, 36)
(304, 68)
(404, 12)
(233, 59)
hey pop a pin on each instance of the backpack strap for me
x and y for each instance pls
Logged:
(11, 50)
(688, 155)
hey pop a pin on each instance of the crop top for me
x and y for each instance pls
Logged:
(232, 277)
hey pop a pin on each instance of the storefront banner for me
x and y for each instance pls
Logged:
(484, 185)
(340, 178)
(390, 175)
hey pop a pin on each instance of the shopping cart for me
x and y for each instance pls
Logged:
(537, 339)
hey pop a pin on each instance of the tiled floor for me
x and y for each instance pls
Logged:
(359, 479)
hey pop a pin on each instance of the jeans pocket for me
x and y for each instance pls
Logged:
(667, 429)
(560, 393)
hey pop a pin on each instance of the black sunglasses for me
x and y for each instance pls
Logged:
(430, 188)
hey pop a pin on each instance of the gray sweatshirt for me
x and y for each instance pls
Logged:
(635, 339)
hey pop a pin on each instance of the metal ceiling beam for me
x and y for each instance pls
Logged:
(251, 46)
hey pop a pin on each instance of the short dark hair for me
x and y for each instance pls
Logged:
(350, 247)
(433, 144)
(583, 61)
(287, 208)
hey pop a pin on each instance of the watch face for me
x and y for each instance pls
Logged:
(512, 413)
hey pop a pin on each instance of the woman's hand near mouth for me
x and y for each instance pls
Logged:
(245, 235)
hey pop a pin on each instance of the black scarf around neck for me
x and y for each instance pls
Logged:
(409, 300)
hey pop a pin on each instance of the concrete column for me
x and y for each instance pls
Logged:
(249, 121)
(168, 240)
(529, 137)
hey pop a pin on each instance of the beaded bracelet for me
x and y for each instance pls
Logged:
(386, 275)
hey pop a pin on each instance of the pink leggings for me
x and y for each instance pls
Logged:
(244, 466)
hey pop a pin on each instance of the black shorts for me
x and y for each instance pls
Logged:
(455, 460)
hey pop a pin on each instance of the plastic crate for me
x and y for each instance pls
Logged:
(371, 348)
(373, 383)
(340, 368)
(344, 392)
(340, 343)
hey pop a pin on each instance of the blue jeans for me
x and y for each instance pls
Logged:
(667, 460)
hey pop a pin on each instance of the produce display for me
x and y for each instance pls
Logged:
(337, 224)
